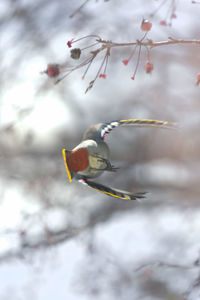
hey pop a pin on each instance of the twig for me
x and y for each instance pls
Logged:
(107, 45)
(78, 9)
(149, 43)
(164, 264)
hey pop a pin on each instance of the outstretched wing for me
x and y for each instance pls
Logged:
(111, 191)
(108, 127)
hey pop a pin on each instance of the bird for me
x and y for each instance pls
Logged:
(90, 158)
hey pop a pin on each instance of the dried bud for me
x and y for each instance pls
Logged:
(198, 79)
(146, 25)
(52, 70)
(148, 67)
(76, 53)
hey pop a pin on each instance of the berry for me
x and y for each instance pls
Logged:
(163, 23)
(148, 67)
(52, 70)
(146, 25)
(102, 76)
(125, 62)
(173, 16)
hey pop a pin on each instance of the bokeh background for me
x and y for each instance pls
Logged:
(65, 241)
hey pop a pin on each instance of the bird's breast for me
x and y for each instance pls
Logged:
(89, 163)
(78, 160)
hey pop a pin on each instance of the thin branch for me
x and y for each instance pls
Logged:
(106, 45)
(79, 9)
(165, 264)
(149, 43)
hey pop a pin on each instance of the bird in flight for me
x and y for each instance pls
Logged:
(90, 158)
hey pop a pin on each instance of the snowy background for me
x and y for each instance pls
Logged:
(65, 241)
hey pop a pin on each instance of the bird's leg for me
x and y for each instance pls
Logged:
(108, 167)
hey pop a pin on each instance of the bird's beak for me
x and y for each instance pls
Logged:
(64, 152)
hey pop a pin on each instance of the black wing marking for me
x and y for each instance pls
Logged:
(111, 191)
(108, 127)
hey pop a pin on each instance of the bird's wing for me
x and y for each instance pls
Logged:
(106, 128)
(111, 191)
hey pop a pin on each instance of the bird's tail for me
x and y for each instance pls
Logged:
(111, 191)
(106, 128)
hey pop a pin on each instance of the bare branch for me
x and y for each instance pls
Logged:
(55, 70)
(79, 8)
(149, 43)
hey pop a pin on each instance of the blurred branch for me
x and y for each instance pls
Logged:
(51, 238)
(196, 283)
(164, 264)
(79, 8)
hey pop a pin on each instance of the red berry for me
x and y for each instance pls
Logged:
(52, 70)
(125, 62)
(173, 16)
(102, 76)
(146, 25)
(148, 67)
(163, 23)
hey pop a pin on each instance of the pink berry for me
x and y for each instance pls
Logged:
(173, 16)
(52, 70)
(163, 23)
(146, 25)
(102, 76)
(125, 62)
(148, 67)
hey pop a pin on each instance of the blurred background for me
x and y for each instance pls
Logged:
(61, 240)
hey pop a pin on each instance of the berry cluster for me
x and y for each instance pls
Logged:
(100, 46)
(61, 71)
(146, 27)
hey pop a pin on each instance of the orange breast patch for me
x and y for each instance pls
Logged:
(77, 160)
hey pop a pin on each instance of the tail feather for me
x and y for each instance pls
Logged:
(108, 127)
(111, 191)
(148, 123)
